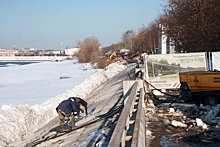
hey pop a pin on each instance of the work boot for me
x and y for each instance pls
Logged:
(72, 123)
(61, 127)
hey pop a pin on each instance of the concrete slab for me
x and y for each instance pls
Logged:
(103, 98)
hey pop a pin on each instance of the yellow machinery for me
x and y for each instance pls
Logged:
(201, 86)
(113, 56)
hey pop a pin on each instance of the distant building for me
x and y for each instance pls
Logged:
(165, 43)
(8, 52)
(30, 49)
(55, 52)
(71, 51)
(26, 52)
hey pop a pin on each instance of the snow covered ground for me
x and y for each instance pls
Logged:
(35, 83)
(30, 93)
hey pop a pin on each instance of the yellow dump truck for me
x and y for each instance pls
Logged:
(200, 86)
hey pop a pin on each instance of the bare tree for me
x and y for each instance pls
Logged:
(89, 49)
(147, 38)
(193, 24)
(116, 47)
(128, 39)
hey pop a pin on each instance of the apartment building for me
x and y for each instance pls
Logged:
(8, 52)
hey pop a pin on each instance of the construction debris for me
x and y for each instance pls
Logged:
(196, 125)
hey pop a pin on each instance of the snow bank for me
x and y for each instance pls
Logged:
(22, 120)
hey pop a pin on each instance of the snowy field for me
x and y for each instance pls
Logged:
(35, 83)
(30, 93)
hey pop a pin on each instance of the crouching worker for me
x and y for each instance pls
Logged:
(138, 75)
(70, 108)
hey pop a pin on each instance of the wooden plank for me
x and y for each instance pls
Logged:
(116, 138)
(138, 139)
(128, 138)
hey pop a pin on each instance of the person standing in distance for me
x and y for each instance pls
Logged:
(70, 108)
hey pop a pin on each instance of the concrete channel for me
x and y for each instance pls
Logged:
(108, 101)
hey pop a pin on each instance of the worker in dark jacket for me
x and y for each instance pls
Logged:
(70, 108)
(139, 75)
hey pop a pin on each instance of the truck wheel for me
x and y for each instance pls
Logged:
(210, 99)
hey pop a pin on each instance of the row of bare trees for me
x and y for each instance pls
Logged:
(193, 25)
(145, 40)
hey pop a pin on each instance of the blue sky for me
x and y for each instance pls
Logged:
(44, 24)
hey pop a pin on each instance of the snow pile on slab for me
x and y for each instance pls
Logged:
(16, 122)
